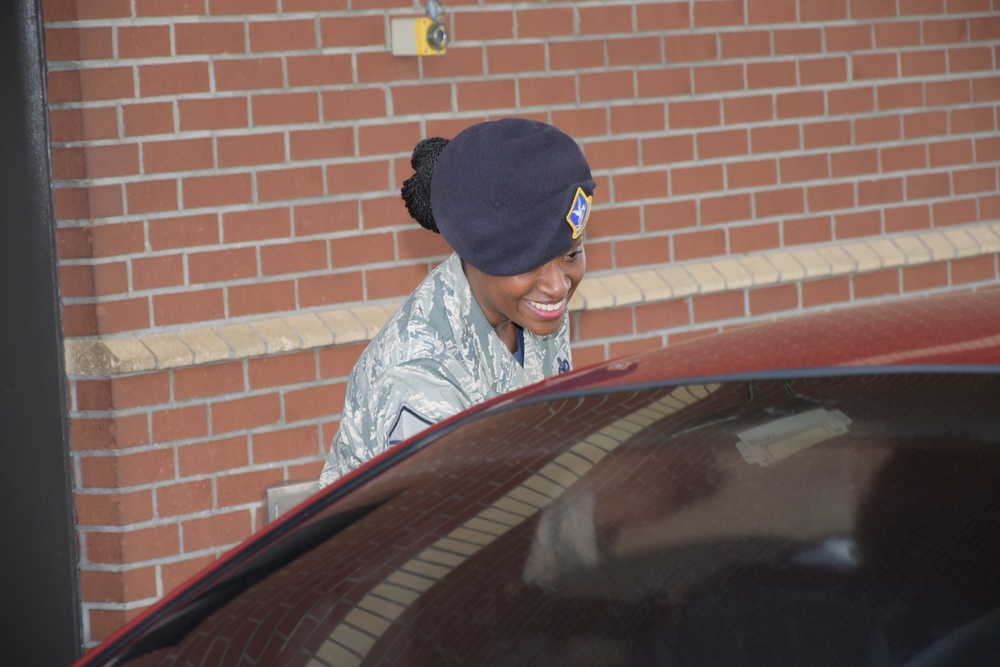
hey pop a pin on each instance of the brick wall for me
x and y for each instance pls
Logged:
(230, 233)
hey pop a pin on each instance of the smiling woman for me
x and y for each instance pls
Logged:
(512, 198)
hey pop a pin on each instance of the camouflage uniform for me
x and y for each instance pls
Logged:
(436, 356)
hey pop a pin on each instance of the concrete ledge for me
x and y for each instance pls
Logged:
(342, 326)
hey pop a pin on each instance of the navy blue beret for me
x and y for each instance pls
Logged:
(510, 195)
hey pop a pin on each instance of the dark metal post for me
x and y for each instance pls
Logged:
(39, 589)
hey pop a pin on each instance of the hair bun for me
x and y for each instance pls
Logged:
(416, 190)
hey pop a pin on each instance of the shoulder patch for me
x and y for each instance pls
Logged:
(579, 212)
(408, 423)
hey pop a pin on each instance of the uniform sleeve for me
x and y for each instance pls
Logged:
(401, 403)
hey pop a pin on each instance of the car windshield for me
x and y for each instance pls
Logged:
(848, 519)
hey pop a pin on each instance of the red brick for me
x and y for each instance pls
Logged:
(242, 7)
(924, 62)
(220, 190)
(357, 177)
(256, 225)
(138, 390)
(359, 250)
(397, 281)
(177, 155)
(204, 38)
(150, 41)
(640, 185)
(876, 284)
(132, 546)
(175, 9)
(786, 201)
(155, 272)
(145, 467)
(907, 218)
(280, 446)
(208, 380)
(929, 185)
(222, 265)
(244, 413)
(957, 212)
(774, 138)
(313, 402)
(188, 306)
(287, 35)
(352, 104)
(326, 218)
(880, 191)
(931, 123)
(78, 44)
(925, 277)
(948, 93)
(319, 70)
(877, 130)
(830, 197)
(970, 59)
(690, 180)
(217, 113)
(664, 315)
(484, 95)
(767, 300)
(664, 150)
(857, 37)
(151, 196)
(217, 530)
(180, 423)
(184, 232)
(293, 257)
(263, 297)
(854, 163)
(973, 269)
(678, 214)
(695, 245)
(247, 74)
(712, 307)
(604, 324)
(173, 574)
(106, 83)
(148, 118)
(79, 320)
(337, 362)
(184, 498)
(975, 180)
(114, 509)
(215, 456)
(295, 183)
(175, 78)
(853, 225)
(247, 487)
(122, 315)
(113, 586)
(281, 370)
(648, 250)
(805, 231)
(694, 114)
(825, 292)
(754, 238)
(319, 144)
(110, 278)
(285, 108)
(809, 167)
(325, 290)
(351, 31)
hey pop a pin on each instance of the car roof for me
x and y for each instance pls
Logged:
(951, 330)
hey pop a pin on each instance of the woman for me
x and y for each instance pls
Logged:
(512, 198)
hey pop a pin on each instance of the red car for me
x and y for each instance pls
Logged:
(820, 490)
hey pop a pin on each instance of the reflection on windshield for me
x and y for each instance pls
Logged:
(821, 521)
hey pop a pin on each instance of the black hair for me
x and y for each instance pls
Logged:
(416, 190)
